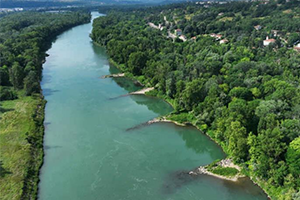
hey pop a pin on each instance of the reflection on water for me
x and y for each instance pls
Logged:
(152, 103)
(178, 179)
(49, 91)
(193, 139)
(129, 85)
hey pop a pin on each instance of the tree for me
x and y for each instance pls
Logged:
(237, 144)
(31, 84)
(293, 158)
(16, 75)
(193, 94)
(241, 92)
(137, 62)
(4, 76)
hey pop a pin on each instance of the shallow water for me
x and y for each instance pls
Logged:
(91, 149)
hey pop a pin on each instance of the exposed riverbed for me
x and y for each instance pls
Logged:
(95, 148)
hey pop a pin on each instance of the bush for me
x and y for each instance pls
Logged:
(153, 93)
(225, 171)
(6, 93)
(182, 117)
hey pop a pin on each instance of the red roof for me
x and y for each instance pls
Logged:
(297, 48)
(270, 40)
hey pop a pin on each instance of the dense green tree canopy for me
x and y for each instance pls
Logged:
(24, 38)
(245, 94)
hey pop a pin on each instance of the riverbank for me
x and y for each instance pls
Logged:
(164, 119)
(113, 75)
(208, 169)
(224, 169)
(21, 119)
(142, 91)
(21, 142)
(170, 119)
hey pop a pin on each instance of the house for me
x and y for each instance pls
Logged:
(258, 27)
(268, 41)
(183, 38)
(224, 41)
(178, 32)
(220, 14)
(297, 47)
(217, 36)
(194, 38)
(160, 27)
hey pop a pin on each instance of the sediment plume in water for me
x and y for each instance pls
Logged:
(143, 124)
(124, 95)
(176, 180)
(138, 126)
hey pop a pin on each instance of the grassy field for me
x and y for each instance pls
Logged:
(21, 150)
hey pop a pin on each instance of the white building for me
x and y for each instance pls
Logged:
(268, 41)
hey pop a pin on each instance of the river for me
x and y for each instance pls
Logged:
(92, 151)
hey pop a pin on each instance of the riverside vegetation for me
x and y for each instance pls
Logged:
(24, 38)
(242, 93)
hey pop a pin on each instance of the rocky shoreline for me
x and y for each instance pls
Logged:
(223, 163)
(201, 169)
(113, 75)
(142, 91)
(164, 119)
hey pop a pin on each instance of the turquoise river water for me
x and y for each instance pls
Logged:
(91, 150)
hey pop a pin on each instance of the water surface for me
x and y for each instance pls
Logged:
(91, 150)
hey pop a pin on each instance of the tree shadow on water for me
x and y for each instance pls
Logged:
(49, 92)
(3, 171)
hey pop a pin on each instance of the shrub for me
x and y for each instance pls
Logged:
(225, 171)
(6, 93)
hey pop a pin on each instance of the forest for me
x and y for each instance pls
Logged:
(24, 39)
(234, 74)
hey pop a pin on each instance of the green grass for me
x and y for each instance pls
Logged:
(224, 19)
(21, 150)
(182, 117)
(224, 171)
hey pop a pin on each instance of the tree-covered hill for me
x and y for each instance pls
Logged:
(224, 75)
